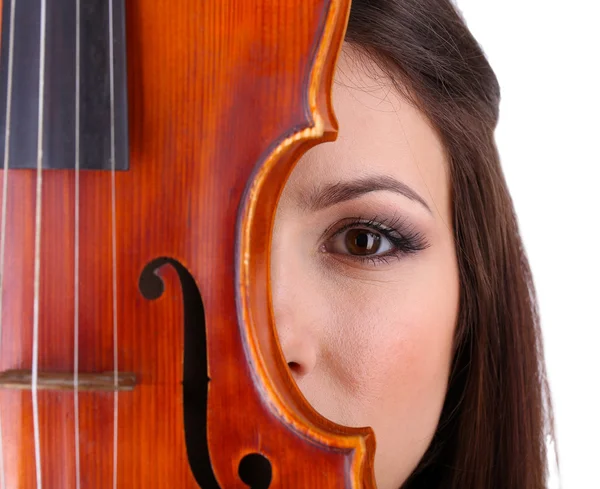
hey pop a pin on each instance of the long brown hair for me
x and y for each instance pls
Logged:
(497, 416)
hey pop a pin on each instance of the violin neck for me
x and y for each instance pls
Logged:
(63, 85)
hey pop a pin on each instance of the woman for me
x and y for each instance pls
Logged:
(403, 298)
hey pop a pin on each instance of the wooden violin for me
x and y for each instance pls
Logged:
(144, 146)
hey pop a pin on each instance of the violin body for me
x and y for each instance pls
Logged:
(137, 342)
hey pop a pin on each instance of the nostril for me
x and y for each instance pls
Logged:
(300, 356)
(295, 367)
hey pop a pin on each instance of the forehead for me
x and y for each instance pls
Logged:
(380, 133)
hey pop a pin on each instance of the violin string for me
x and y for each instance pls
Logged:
(38, 231)
(11, 41)
(76, 246)
(114, 242)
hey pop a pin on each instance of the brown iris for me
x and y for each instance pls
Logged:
(362, 242)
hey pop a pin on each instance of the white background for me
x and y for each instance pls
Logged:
(546, 55)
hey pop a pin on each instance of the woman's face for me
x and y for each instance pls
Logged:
(364, 272)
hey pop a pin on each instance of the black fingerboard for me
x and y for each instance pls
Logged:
(102, 130)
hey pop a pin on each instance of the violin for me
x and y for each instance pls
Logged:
(144, 147)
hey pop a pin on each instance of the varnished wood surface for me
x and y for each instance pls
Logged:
(221, 92)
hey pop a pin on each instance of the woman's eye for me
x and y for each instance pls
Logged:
(359, 242)
(375, 242)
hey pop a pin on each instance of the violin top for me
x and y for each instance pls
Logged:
(145, 146)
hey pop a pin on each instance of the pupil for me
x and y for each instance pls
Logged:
(363, 242)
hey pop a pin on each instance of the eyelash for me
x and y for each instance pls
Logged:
(403, 237)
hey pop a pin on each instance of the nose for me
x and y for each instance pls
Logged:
(298, 353)
(294, 313)
(295, 335)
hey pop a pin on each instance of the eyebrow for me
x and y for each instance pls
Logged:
(334, 193)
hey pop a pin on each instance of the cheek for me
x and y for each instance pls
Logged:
(392, 346)
(389, 348)
(400, 360)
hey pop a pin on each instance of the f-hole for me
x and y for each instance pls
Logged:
(254, 469)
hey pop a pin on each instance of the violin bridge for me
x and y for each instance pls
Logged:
(65, 381)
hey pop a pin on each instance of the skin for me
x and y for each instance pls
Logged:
(369, 342)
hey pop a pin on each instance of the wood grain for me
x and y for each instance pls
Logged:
(224, 96)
